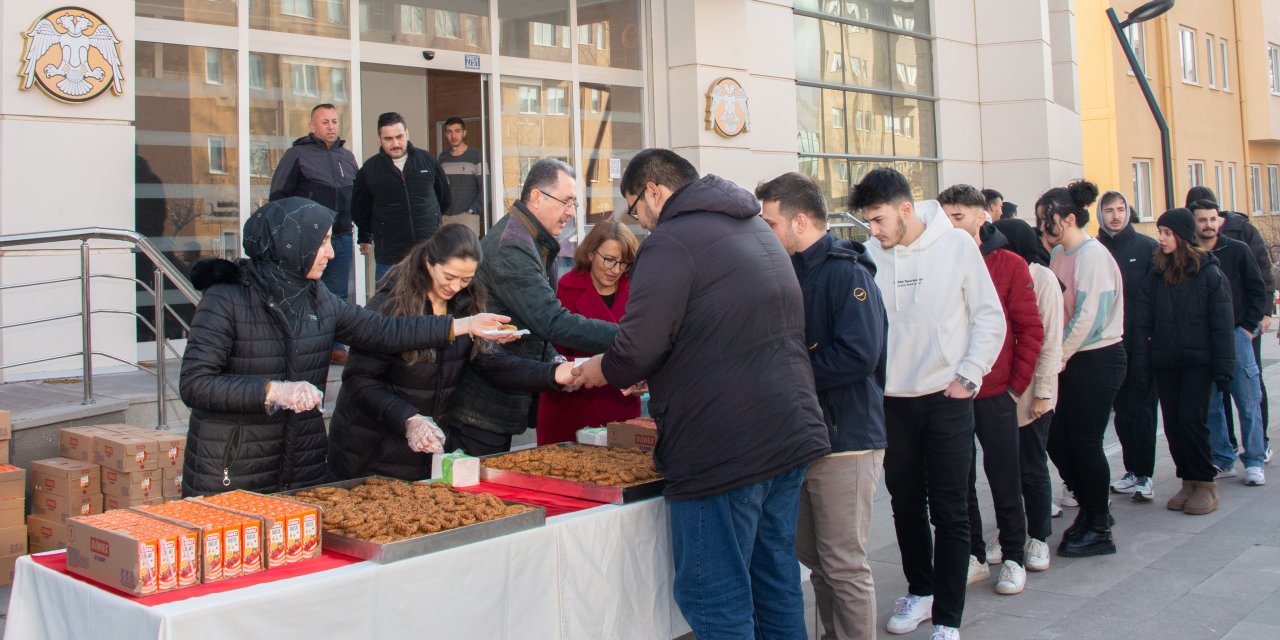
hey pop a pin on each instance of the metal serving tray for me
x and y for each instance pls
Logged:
(426, 543)
(622, 494)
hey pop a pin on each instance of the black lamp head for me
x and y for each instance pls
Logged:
(1147, 11)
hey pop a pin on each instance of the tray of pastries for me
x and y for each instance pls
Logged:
(599, 474)
(385, 520)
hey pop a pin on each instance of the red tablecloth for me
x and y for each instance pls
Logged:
(328, 560)
(554, 504)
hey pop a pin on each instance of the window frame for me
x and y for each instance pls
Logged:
(1273, 68)
(557, 99)
(1139, 46)
(290, 8)
(1255, 188)
(1142, 188)
(1187, 35)
(528, 94)
(1226, 68)
(1273, 188)
(221, 154)
(1195, 173)
(1209, 63)
(213, 55)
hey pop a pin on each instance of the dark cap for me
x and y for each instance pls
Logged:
(1181, 222)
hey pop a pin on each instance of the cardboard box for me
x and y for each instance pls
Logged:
(77, 442)
(11, 511)
(35, 548)
(46, 533)
(126, 452)
(170, 449)
(6, 424)
(6, 568)
(65, 477)
(130, 552)
(171, 486)
(111, 503)
(13, 541)
(633, 434)
(132, 485)
(55, 507)
(231, 544)
(290, 529)
(4, 451)
(13, 482)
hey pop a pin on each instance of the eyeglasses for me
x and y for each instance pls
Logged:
(610, 263)
(567, 203)
(631, 209)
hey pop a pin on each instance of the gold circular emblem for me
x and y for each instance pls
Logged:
(72, 55)
(727, 112)
(860, 294)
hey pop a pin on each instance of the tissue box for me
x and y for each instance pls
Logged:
(456, 469)
(598, 436)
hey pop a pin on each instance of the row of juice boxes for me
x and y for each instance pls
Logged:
(157, 548)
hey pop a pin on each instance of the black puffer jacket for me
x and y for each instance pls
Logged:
(238, 343)
(1185, 325)
(1236, 225)
(321, 174)
(396, 210)
(1133, 252)
(715, 323)
(380, 391)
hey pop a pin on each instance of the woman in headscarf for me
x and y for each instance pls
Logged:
(258, 354)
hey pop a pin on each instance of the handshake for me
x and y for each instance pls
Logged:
(585, 373)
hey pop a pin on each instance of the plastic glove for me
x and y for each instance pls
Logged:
(294, 396)
(423, 435)
(1224, 383)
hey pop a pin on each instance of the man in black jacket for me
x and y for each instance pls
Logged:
(399, 195)
(319, 168)
(715, 323)
(1248, 299)
(845, 326)
(1135, 403)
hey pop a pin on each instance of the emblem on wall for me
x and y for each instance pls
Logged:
(72, 55)
(727, 112)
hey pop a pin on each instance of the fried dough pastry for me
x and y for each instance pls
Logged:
(580, 463)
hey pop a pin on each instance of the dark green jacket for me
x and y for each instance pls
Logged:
(518, 270)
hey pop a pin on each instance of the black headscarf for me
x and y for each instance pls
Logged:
(1022, 240)
(282, 239)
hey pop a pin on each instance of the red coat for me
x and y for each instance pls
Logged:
(560, 415)
(1024, 334)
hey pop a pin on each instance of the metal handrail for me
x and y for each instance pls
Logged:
(163, 268)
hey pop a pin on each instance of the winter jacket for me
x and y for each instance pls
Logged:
(1248, 292)
(1044, 384)
(1024, 335)
(715, 323)
(1185, 325)
(380, 391)
(1236, 226)
(324, 175)
(929, 286)
(845, 327)
(1093, 302)
(239, 342)
(397, 210)
(518, 271)
(560, 415)
(1132, 252)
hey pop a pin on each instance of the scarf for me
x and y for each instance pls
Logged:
(282, 240)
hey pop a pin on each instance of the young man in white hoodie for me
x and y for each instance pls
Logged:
(946, 328)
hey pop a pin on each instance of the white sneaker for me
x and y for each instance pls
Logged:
(944, 633)
(1226, 472)
(1054, 510)
(1266, 459)
(1142, 489)
(1068, 498)
(978, 571)
(1125, 484)
(995, 555)
(1013, 578)
(1254, 477)
(1037, 554)
(908, 612)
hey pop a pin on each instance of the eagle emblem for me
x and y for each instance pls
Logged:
(72, 55)
(727, 108)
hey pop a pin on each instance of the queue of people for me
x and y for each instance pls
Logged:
(786, 367)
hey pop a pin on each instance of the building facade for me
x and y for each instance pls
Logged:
(214, 91)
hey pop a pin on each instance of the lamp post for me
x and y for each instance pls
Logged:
(1144, 13)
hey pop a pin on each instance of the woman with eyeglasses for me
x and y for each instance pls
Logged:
(597, 288)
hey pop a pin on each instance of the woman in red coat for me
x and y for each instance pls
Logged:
(597, 287)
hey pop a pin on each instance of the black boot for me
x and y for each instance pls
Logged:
(1077, 527)
(1094, 540)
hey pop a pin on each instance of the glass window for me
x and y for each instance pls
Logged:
(329, 18)
(1217, 181)
(1136, 33)
(221, 12)
(1195, 173)
(1208, 58)
(923, 177)
(413, 20)
(1222, 56)
(447, 25)
(913, 63)
(609, 33)
(1141, 202)
(913, 128)
(257, 75)
(1273, 184)
(1255, 188)
(1187, 43)
(217, 154)
(213, 66)
(556, 104)
(536, 29)
(456, 25)
(611, 136)
(1231, 185)
(336, 11)
(906, 15)
(299, 8)
(1273, 68)
(278, 117)
(870, 49)
(528, 135)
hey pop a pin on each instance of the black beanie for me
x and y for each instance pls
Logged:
(1181, 222)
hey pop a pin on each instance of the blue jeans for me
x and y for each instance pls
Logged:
(337, 274)
(380, 269)
(1246, 390)
(737, 575)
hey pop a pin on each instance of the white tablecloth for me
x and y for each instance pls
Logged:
(601, 573)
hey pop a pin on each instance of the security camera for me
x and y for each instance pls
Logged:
(428, 55)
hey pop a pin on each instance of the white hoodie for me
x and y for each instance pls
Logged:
(944, 313)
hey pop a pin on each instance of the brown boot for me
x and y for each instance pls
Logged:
(1204, 500)
(1179, 500)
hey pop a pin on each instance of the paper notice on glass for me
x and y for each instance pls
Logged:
(615, 168)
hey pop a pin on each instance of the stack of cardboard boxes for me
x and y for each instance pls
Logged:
(60, 488)
(13, 538)
(6, 433)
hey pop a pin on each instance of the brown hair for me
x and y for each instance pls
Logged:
(607, 230)
(1177, 266)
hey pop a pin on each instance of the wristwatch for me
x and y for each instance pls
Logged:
(968, 384)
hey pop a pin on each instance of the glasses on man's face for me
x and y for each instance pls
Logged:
(631, 209)
(610, 262)
(569, 204)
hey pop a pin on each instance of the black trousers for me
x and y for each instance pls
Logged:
(474, 440)
(1086, 390)
(995, 421)
(1037, 490)
(1184, 404)
(926, 469)
(1135, 421)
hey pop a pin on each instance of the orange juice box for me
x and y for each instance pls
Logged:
(291, 530)
(109, 553)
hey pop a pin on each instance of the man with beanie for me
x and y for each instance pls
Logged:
(1135, 404)
(1248, 299)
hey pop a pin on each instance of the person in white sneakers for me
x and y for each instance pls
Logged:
(946, 328)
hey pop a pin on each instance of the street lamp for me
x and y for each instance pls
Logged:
(1142, 14)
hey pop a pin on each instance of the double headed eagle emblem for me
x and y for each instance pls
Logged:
(82, 33)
